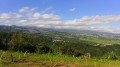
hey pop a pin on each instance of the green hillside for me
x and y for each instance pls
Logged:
(46, 49)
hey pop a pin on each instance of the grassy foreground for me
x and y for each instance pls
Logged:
(51, 60)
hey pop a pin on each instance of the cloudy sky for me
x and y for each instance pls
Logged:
(98, 15)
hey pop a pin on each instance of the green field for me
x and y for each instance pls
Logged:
(51, 60)
(100, 40)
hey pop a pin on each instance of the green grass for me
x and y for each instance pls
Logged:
(100, 40)
(52, 60)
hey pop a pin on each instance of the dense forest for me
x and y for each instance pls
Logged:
(41, 44)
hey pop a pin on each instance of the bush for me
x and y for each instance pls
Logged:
(41, 49)
(111, 55)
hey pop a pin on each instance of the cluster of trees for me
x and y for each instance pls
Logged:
(17, 41)
(21, 41)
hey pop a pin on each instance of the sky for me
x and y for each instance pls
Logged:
(97, 15)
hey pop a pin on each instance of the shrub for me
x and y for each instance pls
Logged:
(111, 55)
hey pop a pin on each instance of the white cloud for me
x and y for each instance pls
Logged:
(84, 21)
(40, 16)
(51, 16)
(72, 9)
(18, 16)
(106, 29)
(35, 16)
(5, 16)
(26, 9)
(31, 17)
(9, 16)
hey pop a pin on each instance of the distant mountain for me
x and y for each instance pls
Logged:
(53, 31)
(92, 33)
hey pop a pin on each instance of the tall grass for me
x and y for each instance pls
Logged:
(53, 59)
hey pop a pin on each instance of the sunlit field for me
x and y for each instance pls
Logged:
(20, 59)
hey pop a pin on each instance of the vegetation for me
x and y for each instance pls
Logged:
(43, 50)
(100, 40)
(27, 59)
